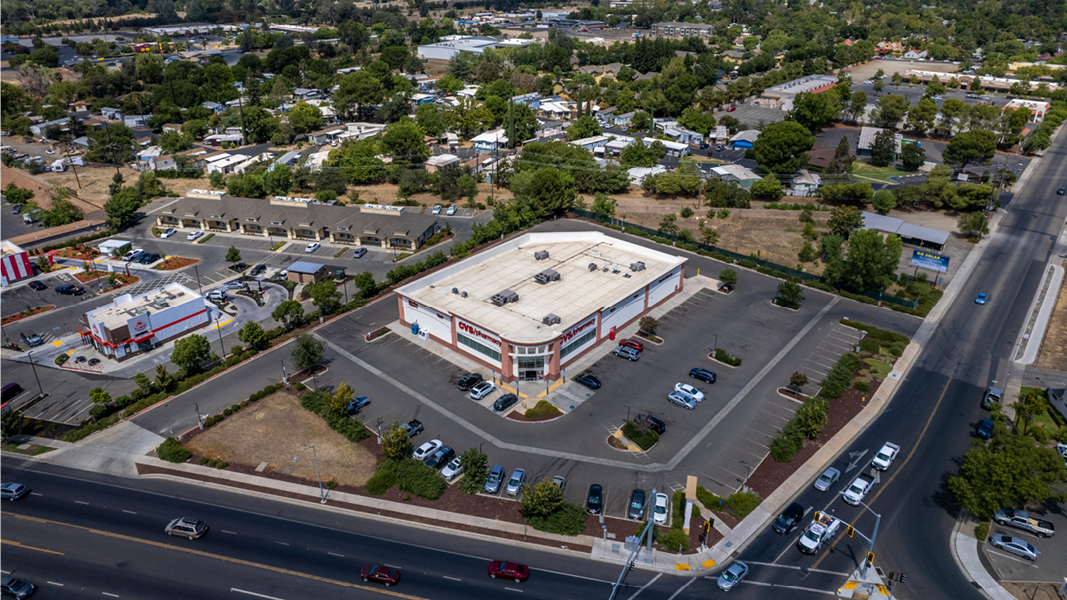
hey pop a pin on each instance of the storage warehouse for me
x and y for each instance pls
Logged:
(135, 324)
(531, 306)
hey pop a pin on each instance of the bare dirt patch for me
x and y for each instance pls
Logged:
(868, 69)
(1053, 354)
(276, 429)
(94, 182)
(1031, 591)
(175, 262)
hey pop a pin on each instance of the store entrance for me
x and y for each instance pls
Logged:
(531, 369)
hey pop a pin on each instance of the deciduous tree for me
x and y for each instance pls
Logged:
(782, 147)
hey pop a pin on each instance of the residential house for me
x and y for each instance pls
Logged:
(736, 174)
(214, 107)
(883, 47)
(149, 153)
(593, 144)
(230, 138)
(165, 162)
(600, 71)
(733, 56)
(743, 140)
(439, 161)
(253, 161)
(288, 159)
(113, 114)
(673, 148)
(325, 136)
(305, 94)
(143, 141)
(606, 117)
(805, 183)
(623, 120)
(638, 174)
(172, 127)
(867, 135)
(226, 165)
(683, 135)
(136, 120)
(914, 54)
(721, 135)
(548, 127)
(38, 130)
(490, 140)
(558, 111)
(617, 144)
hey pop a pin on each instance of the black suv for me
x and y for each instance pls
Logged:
(468, 381)
(595, 500)
(704, 375)
(653, 423)
(256, 270)
(70, 290)
(789, 519)
(505, 402)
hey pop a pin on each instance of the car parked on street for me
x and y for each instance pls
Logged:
(985, 429)
(169, 232)
(424, 451)
(828, 478)
(452, 469)
(482, 390)
(187, 527)
(1014, 545)
(681, 400)
(659, 509)
(505, 402)
(380, 574)
(587, 380)
(16, 588)
(637, 505)
(789, 519)
(732, 576)
(468, 381)
(627, 352)
(13, 491)
(70, 290)
(509, 570)
(690, 391)
(492, 482)
(518, 477)
(705, 375)
(594, 500)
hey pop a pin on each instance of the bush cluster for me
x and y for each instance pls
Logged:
(171, 450)
(840, 377)
(725, 358)
(543, 409)
(569, 519)
(738, 505)
(645, 439)
(807, 423)
(410, 476)
(319, 403)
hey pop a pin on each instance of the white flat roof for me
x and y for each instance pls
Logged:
(512, 266)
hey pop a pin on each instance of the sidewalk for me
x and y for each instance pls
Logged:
(965, 549)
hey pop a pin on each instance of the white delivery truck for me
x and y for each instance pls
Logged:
(821, 529)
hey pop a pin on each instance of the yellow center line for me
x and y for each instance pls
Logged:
(210, 555)
(12, 543)
(907, 459)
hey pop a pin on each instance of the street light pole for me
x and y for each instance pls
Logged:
(285, 377)
(715, 347)
(199, 289)
(218, 328)
(870, 540)
(322, 492)
(199, 421)
(34, 367)
(627, 412)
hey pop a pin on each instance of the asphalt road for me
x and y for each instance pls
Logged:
(934, 412)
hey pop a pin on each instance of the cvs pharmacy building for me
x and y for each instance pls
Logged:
(531, 306)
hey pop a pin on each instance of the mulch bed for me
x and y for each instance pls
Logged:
(651, 338)
(791, 394)
(175, 262)
(23, 315)
(306, 375)
(521, 417)
(80, 253)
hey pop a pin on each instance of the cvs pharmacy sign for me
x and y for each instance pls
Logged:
(478, 333)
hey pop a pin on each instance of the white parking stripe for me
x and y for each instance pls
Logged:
(644, 587)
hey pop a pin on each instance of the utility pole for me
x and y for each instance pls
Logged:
(241, 108)
(66, 153)
(111, 145)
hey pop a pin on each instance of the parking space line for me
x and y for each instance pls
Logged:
(1025, 562)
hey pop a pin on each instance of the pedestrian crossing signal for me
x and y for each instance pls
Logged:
(851, 530)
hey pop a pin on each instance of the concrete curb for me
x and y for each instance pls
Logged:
(1043, 303)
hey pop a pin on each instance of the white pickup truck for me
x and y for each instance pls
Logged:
(821, 529)
(885, 456)
(1017, 518)
(857, 491)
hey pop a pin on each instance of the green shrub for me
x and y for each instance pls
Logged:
(783, 447)
(645, 439)
(876, 333)
(840, 376)
(708, 499)
(674, 540)
(862, 386)
(301, 387)
(982, 531)
(204, 460)
(221, 464)
(332, 484)
(171, 450)
(420, 479)
(383, 479)
(810, 418)
(543, 409)
(742, 503)
(725, 358)
(896, 349)
(869, 344)
(227, 412)
(235, 407)
(569, 519)
(747, 263)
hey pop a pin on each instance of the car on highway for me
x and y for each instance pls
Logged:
(981, 298)
(627, 352)
(70, 290)
(192, 237)
(468, 381)
(492, 482)
(482, 390)
(452, 469)
(587, 380)
(828, 478)
(13, 491)
(690, 391)
(413, 427)
(436, 209)
(451, 210)
(594, 500)
(168, 232)
(359, 252)
(682, 400)
(217, 295)
(632, 343)
(518, 477)
(1061, 192)
(509, 570)
(789, 519)
(424, 451)
(313, 246)
(637, 505)
(505, 402)
(37, 285)
(357, 404)
(652, 423)
(985, 429)
(380, 574)
(857, 490)
(732, 576)
(16, 588)
(659, 509)
(1014, 545)
(187, 527)
(705, 375)
(441, 457)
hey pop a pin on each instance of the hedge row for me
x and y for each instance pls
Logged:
(410, 476)
(319, 403)
(806, 423)
(840, 376)
(569, 519)
(738, 505)
(725, 358)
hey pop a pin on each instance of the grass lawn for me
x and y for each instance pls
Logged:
(863, 169)
(878, 368)
(692, 158)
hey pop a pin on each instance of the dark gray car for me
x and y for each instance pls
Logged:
(637, 505)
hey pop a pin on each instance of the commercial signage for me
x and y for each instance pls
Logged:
(478, 333)
(578, 329)
(925, 259)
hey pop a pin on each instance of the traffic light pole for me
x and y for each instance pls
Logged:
(629, 566)
(869, 559)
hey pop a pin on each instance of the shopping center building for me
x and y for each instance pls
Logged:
(533, 305)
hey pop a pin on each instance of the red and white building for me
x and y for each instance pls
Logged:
(134, 324)
(531, 306)
(14, 263)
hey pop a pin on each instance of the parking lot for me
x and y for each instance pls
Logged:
(1047, 567)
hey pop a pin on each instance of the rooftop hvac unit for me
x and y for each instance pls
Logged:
(546, 276)
(463, 294)
(551, 319)
(541, 255)
(505, 297)
(593, 267)
(637, 266)
(455, 290)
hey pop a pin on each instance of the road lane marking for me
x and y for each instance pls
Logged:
(28, 548)
(513, 590)
(335, 554)
(899, 468)
(795, 568)
(791, 587)
(644, 587)
(282, 543)
(453, 578)
(129, 512)
(254, 594)
(54, 583)
(229, 532)
(80, 502)
(112, 595)
(36, 494)
(681, 589)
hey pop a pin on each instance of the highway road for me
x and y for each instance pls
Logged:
(934, 413)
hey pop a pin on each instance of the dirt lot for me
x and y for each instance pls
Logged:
(1053, 354)
(94, 182)
(276, 429)
(867, 70)
(385, 193)
(1031, 591)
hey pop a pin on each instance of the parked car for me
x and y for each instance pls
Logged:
(169, 232)
(257, 270)
(452, 469)
(414, 427)
(468, 381)
(732, 576)
(627, 352)
(1023, 520)
(682, 400)
(985, 429)
(194, 235)
(637, 505)
(492, 482)
(560, 482)
(37, 285)
(424, 451)
(313, 246)
(632, 343)
(690, 391)
(789, 519)
(359, 252)
(147, 259)
(1061, 192)
(1014, 545)
(509, 570)
(32, 340)
(357, 404)
(587, 380)
(436, 209)
(518, 477)
(992, 395)
(17, 209)
(16, 588)
(731, 108)
(187, 527)
(70, 290)
(13, 491)
(451, 210)
(237, 284)
(505, 402)
(705, 375)
(380, 574)
(217, 295)
(659, 509)
(653, 423)
(440, 458)
(594, 500)
(482, 390)
(828, 478)
(132, 254)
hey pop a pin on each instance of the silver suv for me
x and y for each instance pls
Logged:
(187, 527)
(626, 352)
(492, 483)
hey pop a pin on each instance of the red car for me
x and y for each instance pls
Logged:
(380, 574)
(509, 570)
(632, 343)
(731, 108)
